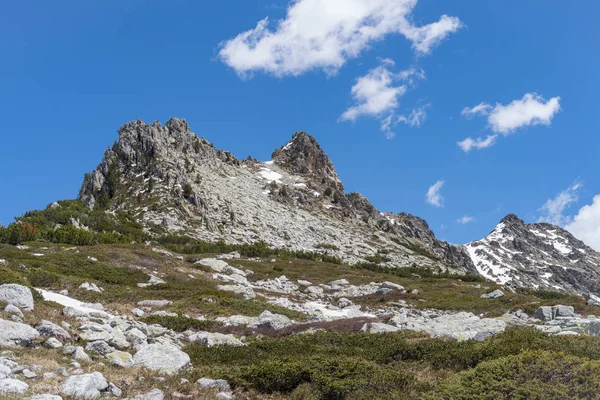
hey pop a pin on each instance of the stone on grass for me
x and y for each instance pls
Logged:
(12, 309)
(85, 387)
(165, 358)
(211, 339)
(16, 334)
(47, 328)
(213, 263)
(120, 359)
(154, 394)
(13, 386)
(46, 397)
(378, 327)
(218, 384)
(154, 303)
(17, 295)
(493, 295)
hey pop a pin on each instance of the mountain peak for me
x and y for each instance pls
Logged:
(512, 219)
(303, 155)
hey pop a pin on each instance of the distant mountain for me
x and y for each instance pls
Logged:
(539, 256)
(174, 182)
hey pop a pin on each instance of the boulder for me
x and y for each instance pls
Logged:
(544, 313)
(85, 387)
(154, 394)
(11, 309)
(16, 334)
(99, 347)
(564, 311)
(92, 287)
(211, 339)
(245, 291)
(53, 343)
(17, 295)
(47, 328)
(377, 327)
(391, 285)
(14, 386)
(344, 302)
(493, 295)
(165, 358)
(213, 263)
(271, 320)
(154, 303)
(218, 384)
(120, 359)
(225, 396)
(46, 397)
(5, 371)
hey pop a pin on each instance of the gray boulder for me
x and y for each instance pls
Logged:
(154, 303)
(17, 295)
(47, 328)
(213, 263)
(544, 313)
(13, 386)
(273, 321)
(120, 359)
(391, 285)
(564, 311)
(16, 334)
(85, 387)
(11, 309)
(167, 359)
(46, 397)
(53, 343)
(99, 347)
(154, 394)
(211, 339)
(218, 384)
(493, 295)
(377, 327)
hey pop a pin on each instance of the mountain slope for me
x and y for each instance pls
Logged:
(539, 256)
(176, 183)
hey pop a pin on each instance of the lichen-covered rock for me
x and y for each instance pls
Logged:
(47, 328)
(16, 334)
(85, 387)
(166, 359)
(211, 339)
(120, 359)
(17, 295)
(218, 384)
(13, 386)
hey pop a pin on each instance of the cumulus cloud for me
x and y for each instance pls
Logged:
(434, 196)
(465, 219)
(554, 208)
(377, 95)
(469, 144)
(586, 224)
(531, 110)
(374, 93)
(416, 117)
(324, 34)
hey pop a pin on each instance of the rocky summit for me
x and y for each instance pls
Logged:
(537, 256)
(174, 182)
(182, 272)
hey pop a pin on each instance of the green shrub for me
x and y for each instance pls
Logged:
(7, 275)
(530, 375)
(43, 279)
(180, 323)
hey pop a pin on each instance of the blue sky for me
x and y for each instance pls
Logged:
(73, 72)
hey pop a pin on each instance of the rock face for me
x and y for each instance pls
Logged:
(537, 256)
(17, 295)
(16, 334)
(295, 201)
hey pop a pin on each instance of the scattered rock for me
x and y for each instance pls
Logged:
(91, 287)
(377, 327)
(47, 328)
(344, 302)
(137, 312)
(80, 354)
(225, 396)
(391, 285)
(165, 358)
(493, 295)
(16, 334)
(46, 397)
(120, 359)
(17, 295)
(154, 303)
(11, 309)
(13, 386)
(211, 339)
(85, 387)
(154, 394)
(99, 347)
(213, 263)
(218, 384)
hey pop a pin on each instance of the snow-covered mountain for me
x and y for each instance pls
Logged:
(538, 256)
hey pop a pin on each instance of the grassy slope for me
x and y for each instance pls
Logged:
(325, 365)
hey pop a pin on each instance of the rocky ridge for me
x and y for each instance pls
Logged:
(537, 256)
(177, 183)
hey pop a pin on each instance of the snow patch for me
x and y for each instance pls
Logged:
(67, 301)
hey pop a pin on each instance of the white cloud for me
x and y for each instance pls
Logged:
(469, 144)
(324, 34)
(479, 109)
(433, 196)
(465, 219)
(586, 224)
(416, 117)
(531, 110)
(553, 209)
(375, 94)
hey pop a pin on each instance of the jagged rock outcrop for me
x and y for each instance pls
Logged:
(174, 182)
(537, 256)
